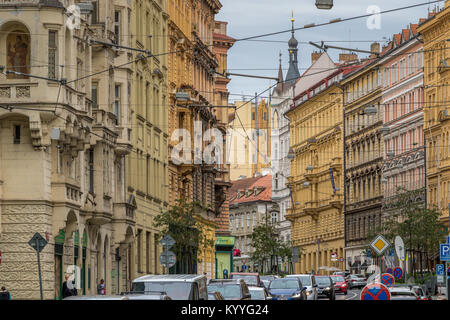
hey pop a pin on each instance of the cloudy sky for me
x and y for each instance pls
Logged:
(261, 56)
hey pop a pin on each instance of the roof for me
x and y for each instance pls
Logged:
(262, 186)
(220, 36)
(170, 277)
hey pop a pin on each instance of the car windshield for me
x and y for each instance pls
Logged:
(228, 291)
(284, 284)
(338, 279)
(257, 294)
(175, 290)
(324, 281)
(249, 280)
(306, 280)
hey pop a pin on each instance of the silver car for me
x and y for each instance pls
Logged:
(356, 281)
(96, 297)
(308, 281)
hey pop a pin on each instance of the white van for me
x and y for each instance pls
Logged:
(176, 286)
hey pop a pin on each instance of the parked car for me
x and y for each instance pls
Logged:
(356, 281)
(403, 292)
(177, 286)
(308, 281)
(250, 278)
(97, 297)
(230, 289)
(422, 292)
(287, 289)
(259, 293)
(326, 287)
(216, 295)
(267, 278)
(146, 295)
(345, 273)
(340, 283)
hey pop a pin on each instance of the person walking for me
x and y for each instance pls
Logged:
(4, 294)
(101, 287)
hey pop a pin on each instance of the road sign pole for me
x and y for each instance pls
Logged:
(167, 259)
(39, 268)
(446, 280)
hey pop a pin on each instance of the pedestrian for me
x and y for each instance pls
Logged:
(101, 287)
(4, 294)
(68, 288)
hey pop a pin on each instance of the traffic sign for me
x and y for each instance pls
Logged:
(390, 270)
(244, 267)
(379, 244)
(398, 272)
(400, 248)
(168, 259)
(167, 241)
(375, 291)
(444, 250)
(37, 242)
(440, 269)
(387, 279)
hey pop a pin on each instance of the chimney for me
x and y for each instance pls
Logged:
(347, 57)
(375, 47)
(315, 56)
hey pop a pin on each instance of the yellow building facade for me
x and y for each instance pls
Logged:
(436, 32)
(249, 152)
(316, 181)
(147, 165)
(191, 72)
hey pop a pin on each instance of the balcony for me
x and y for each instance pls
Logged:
(66, 191)
(124, 145)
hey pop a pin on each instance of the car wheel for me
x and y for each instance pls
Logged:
(345, 292)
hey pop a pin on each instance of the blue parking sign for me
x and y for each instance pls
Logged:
(439, 269)
(444, 250)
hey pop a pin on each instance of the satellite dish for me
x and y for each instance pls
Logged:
(400, 248)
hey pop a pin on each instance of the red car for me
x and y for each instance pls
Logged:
(340, 284)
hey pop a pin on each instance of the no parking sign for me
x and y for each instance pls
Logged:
(398, 272)
(375, 291)
(387, 279)
(390, 271)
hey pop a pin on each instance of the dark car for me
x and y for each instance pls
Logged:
(287, 289)
(340, 284)
(326, 287)
(230, 289)
(422, 292)
(215, 296)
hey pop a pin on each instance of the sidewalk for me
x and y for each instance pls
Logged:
(440, 295)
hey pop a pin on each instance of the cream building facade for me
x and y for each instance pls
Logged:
(147, 165)
(63, 151)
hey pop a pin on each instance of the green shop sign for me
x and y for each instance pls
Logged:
(225, 241)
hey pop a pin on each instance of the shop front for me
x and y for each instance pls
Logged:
(224, 256)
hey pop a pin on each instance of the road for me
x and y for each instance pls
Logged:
(351, 295)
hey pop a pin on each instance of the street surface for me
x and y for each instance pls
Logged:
(352, 294)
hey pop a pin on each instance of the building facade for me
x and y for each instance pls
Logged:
(402, 100)
(435, 32)
(191, 74)
(250, 206)
(317, 219)
(63, 151)
(147, 165)
(363, 155)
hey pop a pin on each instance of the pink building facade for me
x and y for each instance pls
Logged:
(402, 98)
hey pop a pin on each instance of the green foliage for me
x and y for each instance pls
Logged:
(407, 216)
(179, 222)
(266, 244)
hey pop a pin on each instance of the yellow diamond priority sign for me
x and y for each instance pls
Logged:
(379, 244)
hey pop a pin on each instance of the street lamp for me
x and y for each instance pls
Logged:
(291, 154)
(324, 4)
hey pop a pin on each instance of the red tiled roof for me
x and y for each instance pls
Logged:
(405, 34)
(220, 36)
(264, 183)
(414, 28)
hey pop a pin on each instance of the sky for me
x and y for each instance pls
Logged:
(261, 56)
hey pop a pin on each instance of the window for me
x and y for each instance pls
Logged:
(91, 170)
(94, 93)
(94, 16)
(52, 54)
(274, 217)
(231, 222)
(17, 134)
(117, 27)
(139, 266)
(402, 68)
(253, 116)
(117, 103)
(411, 63)
(147, 251)
(248, 220)
(419, 64)
(394, 73)
(254, 218)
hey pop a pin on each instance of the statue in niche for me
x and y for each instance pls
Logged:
(18, 54)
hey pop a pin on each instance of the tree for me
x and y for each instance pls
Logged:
(179, 222)
(267, 246)
(407, 216)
